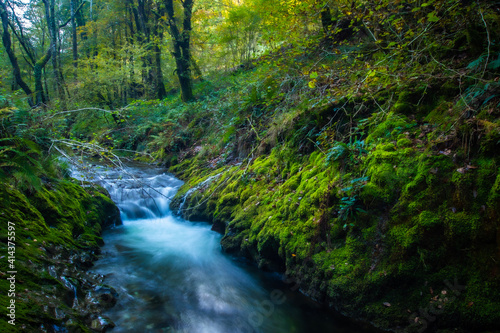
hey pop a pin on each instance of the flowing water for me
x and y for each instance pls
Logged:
(172, 276)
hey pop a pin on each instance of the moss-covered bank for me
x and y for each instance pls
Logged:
(56, 235)
(397, 224)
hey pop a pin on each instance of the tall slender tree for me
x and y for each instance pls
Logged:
(181, 39)
(7, 42)
(54, 49)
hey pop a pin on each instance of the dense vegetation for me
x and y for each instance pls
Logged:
(50, 233)
(352, 145)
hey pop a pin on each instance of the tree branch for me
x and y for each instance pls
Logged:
(85, 109)
(72, 16)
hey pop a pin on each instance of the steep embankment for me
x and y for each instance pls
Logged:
(373, 183)
(49, 238)
(400, 229)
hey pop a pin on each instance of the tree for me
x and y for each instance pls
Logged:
(7, 42)
(240, 33)
(50, 17)
(181, 40)
(147, 16)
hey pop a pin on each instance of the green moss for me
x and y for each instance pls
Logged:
(411, 200)
(61, 215)
(392, 125)
(404, 142)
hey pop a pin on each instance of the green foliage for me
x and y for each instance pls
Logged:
(20, 163)
(347, 152)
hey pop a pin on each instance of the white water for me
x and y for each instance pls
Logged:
(172, 276)
(196, 188)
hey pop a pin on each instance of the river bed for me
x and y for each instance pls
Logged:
(172, 276)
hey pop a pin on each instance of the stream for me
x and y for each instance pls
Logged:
(172, 276)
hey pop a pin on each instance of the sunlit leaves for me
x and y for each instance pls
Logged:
(431, 17)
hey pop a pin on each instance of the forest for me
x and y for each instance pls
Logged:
(353, 147)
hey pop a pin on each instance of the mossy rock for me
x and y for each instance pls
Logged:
(76, 216)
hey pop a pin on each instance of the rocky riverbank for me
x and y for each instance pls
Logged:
(52, 236)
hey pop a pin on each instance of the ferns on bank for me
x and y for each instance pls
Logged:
(20, 163)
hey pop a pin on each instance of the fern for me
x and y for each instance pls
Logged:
(342, 150)
(20, 163)
(495, 64)
(336, 152)
(477, 64)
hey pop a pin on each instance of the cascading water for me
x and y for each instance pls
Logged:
(191, 190)
(172, 276)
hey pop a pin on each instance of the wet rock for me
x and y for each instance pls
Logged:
(52, 271)
(101, 324)
(102, 295)
(72, 326)
(59, 329)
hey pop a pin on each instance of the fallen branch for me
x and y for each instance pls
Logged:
(87, 109)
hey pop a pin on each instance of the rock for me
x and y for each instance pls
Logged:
(102, 295)
(101, 324)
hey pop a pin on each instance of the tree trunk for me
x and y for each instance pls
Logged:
(80, 22)
(38, 68)
(51, 24)
(12, 57)
(74, 38)
(46, 85)
(157, 32)
(182, 51)
(14, 85)
(141, 14)
(161, 93)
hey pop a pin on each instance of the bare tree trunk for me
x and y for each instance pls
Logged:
(141, 13)
(157, 32)
(161, 93)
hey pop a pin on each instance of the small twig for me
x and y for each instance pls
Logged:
(316, 144)
(253, 128)
(371, 33)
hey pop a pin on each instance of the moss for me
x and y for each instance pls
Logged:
(404, 142)
(229, 199)
(494, 198)
(62, 216)
(393, 124)
(293, 183)
(403, 209)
